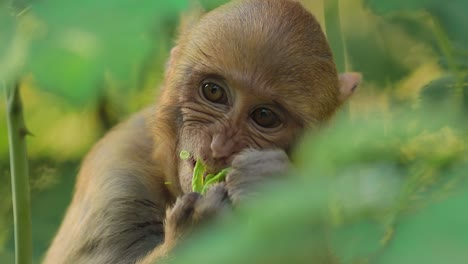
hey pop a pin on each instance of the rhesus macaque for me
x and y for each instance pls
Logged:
(241, 87)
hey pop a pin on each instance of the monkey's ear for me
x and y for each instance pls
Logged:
(349, 81)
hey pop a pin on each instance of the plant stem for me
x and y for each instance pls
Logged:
(334, 33)
(17, 133)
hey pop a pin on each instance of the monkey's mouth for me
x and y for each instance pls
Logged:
(209, 169)
(192, 163)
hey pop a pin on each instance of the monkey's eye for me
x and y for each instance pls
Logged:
(214, 93)
(265, 117)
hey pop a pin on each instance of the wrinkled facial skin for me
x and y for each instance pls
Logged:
(215, 132)
(250, 81)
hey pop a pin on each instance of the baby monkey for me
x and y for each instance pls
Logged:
(241, 87)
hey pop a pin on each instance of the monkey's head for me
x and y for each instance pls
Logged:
(250, 74)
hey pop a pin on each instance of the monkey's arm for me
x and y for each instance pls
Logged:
(119, 204)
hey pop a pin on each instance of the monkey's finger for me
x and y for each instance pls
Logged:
(183, 209)
(250, 154)
(215, 202)
(253, 167)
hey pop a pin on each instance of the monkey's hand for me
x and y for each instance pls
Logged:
(252, 168)
(192, 210)
(249, 169)
(188, 213)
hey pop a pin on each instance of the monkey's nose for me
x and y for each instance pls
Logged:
(220, 147)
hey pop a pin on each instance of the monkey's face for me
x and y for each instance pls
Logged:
(250, 76)
(220, 118)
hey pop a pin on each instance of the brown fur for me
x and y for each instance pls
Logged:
(118, 208)
(263, 52)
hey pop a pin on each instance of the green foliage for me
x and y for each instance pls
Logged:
(380, 65)
(384, 7)
(72, 46)
(439, 23)
(401, 35)
(200, 183)
(334, 33)
(436, 234)
(450, 14)
(366, 193)
(443, 91)
(385, 186)
(197, 177)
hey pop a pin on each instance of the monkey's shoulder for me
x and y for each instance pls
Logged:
(124, 151)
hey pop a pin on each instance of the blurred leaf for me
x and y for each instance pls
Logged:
(460, 59)
(6, 29)
(356, 199)
(356, 243)
(416, 27)
(376, 62)
(442, 93)
(10, 45)
(420, 30)
(385, 7)
(449, 15)
(249, 235)
(76, 43)
(437, 234)
(452, 17)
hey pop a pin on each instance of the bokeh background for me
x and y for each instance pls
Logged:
(388, 176)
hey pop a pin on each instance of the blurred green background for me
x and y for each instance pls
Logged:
(394, 150)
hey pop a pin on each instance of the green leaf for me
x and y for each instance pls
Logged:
(200, 183)
(197, 179)
(214, 179)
